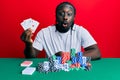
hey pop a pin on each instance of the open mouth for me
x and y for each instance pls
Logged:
(65, 25)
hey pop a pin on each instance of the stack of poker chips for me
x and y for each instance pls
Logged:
(67, 61)
(79, 61)
(49, 66)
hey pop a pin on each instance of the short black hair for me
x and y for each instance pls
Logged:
(65, 3)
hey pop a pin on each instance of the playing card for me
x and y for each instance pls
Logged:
(26, 63)
(28, 71)
(30, 23)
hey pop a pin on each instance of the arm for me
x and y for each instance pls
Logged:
(29, 51)
(93, 52)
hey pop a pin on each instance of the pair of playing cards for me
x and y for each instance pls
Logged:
(30, 23)
(28, 70)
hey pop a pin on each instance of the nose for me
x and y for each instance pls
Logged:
(65, 17)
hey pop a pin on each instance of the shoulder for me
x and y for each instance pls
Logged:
(47, 29)
(78, 28)
(51, 27)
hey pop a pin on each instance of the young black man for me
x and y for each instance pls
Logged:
(62, 36)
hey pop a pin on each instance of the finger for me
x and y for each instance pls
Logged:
(28, 36)
(25, 34)
(29, 29)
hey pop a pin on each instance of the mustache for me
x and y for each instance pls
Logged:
(65, 22)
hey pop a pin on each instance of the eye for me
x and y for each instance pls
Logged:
(61, 14)
(69, 14)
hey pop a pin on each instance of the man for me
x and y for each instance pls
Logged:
(61, 37)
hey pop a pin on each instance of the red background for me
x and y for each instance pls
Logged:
(100, 17)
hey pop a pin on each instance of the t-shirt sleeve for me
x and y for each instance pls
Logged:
(38, 42)
(86, 38)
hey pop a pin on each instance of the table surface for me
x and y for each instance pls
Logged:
(104, 69)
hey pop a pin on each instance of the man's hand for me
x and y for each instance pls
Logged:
(29, 51)
(58, 53)
(93, 52)
(27, 37)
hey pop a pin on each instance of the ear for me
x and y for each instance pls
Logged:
(74, 18)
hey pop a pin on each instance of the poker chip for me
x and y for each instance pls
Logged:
(63, 62)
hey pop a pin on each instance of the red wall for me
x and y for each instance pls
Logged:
(100, 17)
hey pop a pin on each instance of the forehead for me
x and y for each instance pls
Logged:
(65, 6)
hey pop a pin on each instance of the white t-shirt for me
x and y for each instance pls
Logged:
(52, 41)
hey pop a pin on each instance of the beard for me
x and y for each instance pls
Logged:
(62, 29)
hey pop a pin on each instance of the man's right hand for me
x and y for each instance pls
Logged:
(27, 37)
(29, 51)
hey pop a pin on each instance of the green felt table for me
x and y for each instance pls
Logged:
(104, 69)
